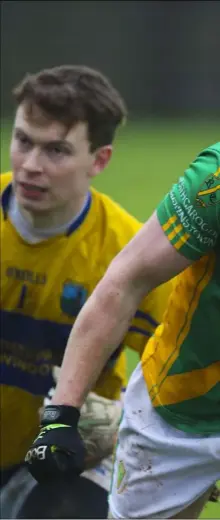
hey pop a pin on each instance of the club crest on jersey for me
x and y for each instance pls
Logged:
(72, 298)
(209, 193)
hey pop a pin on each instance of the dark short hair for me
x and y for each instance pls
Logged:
(72, 94)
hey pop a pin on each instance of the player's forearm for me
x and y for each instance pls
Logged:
(97, 332)
(148, 260)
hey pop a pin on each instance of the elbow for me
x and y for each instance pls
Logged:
(100, 307)
(117, 293)
(109, 290)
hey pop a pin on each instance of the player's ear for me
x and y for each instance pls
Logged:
(102, 157)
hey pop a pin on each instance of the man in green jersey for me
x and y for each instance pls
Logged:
(168, 450)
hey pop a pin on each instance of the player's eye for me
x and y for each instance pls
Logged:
(23, 140)
(57, 150)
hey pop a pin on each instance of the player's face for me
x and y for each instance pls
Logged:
(52, 166)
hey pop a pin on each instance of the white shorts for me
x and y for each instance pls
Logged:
(158, 470)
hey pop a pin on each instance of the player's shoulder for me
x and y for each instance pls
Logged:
(202, 177)
(5, 179)
(189, 213)
(205, 163)
(212, 149)
(116, 221)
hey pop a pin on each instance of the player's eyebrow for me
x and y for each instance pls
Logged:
(21, 133)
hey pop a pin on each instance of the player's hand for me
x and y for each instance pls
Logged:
(58, 450)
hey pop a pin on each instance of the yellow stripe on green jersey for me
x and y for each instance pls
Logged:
(174, 232)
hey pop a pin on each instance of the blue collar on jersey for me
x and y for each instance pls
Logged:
(76, 223)
(5, 198)
(79, 220)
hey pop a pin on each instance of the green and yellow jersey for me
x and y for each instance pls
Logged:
(181, 364)
(43, 287)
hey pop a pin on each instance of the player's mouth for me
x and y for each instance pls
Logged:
(31, 191)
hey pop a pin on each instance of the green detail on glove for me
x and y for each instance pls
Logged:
(53, 449)
(45, 429)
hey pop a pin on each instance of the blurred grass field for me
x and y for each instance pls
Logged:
(148, 158)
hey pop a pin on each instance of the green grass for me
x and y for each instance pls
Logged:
(148, 157)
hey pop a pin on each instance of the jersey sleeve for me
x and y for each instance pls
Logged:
(147, 318)
(190, 212)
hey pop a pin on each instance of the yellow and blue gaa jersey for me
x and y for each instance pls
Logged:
(43, 287)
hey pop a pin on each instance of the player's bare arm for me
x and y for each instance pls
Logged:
(146, 262)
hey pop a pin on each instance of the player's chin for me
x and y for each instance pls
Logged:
(36, 206)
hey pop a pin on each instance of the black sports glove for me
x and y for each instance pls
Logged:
(58, 450)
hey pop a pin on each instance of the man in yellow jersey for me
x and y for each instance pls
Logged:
(168, 451)
(58, 238)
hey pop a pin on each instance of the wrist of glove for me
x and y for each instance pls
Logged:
(58, 449)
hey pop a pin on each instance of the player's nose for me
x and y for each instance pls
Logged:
(32, 163)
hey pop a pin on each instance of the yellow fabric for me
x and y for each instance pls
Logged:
(45, 269)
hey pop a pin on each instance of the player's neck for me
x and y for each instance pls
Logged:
(54, 219)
